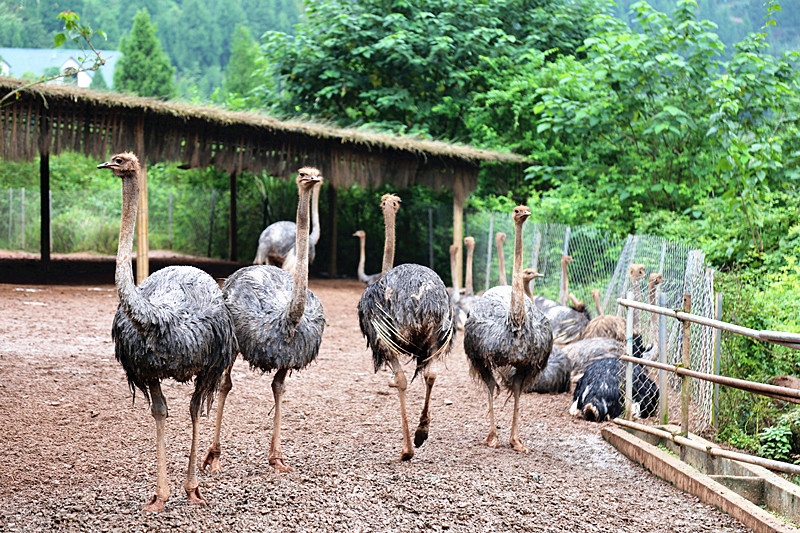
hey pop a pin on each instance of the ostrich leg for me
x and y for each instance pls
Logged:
(275, 455)
(421, 435)
(214, 451)
(515, 441)
(401, 384)
(158, 408)
(191, 486)
(491, 439)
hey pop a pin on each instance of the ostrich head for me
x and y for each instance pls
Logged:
(360, 234)
(500, 237)
(636, 272)
(123, 165)
(469, 242)
(307, 177)
(521, 213)
(654, 279)
(390, 202)
(529, 274)
(566, 259)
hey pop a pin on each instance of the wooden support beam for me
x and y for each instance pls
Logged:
(459, 197)
(233, 227)
(333, 202)
(142, 217)
(44, 193)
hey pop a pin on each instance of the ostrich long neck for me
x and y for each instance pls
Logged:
(596, 298)
(651, 299)
(297, 305)
(526, 283)
(468, 276)
(516, 310)
(454, 273)
(314, 237)
(501, 262)
(562, 296)
(388, 244)
(139, 309)
(362, 259)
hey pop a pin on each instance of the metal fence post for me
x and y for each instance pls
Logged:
(629, 365)
(717, 358)
(663, 409)
(685, 363)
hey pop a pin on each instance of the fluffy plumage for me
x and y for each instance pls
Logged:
(599, 394)
(584, 352)
(555, 377)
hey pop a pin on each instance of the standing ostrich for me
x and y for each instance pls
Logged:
(362, 258)
(174, 325)
(612, 326)
(507, 337)
(407, 314)
(276, 244)
(278, 322)
(499, 239)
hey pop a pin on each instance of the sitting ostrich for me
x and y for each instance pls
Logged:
(507, 338)
(499, 239)
(555, 377)
(584, 352)
(174, 325)
(278, 322)
(612, 326)
(599, 393)
(406, 314)
(362, 258)
(276, 244)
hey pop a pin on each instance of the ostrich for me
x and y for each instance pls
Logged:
(406, 314)
(579, 306)
(276, 244)
(362, 277)
(499, 239)
(507, 337)
(278, 322)
(460, 312)
(599, 393)
(584, 352)
(612, 326)
(469, 242)
(174, 325)
(567, 323)
(555, 377)
(528, 275)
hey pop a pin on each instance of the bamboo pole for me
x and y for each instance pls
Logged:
(686, 362)
(712, 450)
(629, 365)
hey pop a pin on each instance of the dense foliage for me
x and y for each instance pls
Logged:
(196, 36)
(144, 69)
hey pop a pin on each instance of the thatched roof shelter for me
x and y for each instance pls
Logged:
(49, 119)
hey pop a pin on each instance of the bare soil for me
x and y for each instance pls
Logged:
(79, 455)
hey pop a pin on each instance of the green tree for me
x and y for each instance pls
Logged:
(144, 68)
(98, 82)
(239, 74)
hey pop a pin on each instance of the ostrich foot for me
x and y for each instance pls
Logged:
(421, 435)
(193, 496)
(491, 441)
(212, 459)
(407, 455)
(156, 504)
(516, 443)
(279, 465)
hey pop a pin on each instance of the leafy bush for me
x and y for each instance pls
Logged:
(776, 443)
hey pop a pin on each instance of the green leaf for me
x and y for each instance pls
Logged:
(59, 39)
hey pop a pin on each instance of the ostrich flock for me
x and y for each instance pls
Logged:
(178, 323)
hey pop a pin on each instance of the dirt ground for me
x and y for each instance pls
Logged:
(78, 455)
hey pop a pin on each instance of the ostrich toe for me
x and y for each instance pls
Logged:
(516, 443)
(156, 504)
(491, 441)
(279, 465)
(212, 459)
(420, 435)
(193, 496)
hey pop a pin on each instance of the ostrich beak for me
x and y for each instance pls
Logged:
(107, 164)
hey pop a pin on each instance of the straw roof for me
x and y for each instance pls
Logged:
(68, 118)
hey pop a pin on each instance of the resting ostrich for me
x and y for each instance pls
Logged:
(362, 258)
(499, 239)
(174, 325)
(508, 338)
(555, 377)
(276, 244)
(599, 393)
(406, 314)
(612, 326)
(579, 306)
(584, 352)
(568, 324)
(278, 322)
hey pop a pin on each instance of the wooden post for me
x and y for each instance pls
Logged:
(685, 363)
(22, 218)
(142, 217)
(44, 194)
(232, 223)
(10, 214)
(629, 365)
(717, 358)
(489, 243)
(663, 389)
(430, 237)
(333, 203)
(170, 221)
(211, 220)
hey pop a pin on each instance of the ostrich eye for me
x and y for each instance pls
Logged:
(118, 161)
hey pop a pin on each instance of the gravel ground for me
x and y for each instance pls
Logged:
(79, 455)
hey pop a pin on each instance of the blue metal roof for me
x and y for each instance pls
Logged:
(36, 60)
